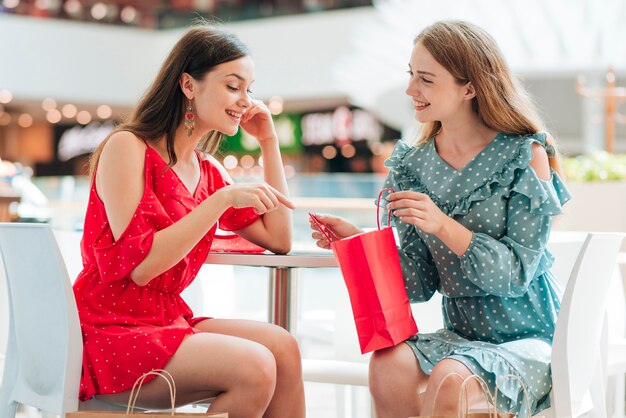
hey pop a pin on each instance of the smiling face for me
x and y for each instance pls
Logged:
(436, 94)
(222, 97)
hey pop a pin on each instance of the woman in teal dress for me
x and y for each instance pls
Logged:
(473, 204)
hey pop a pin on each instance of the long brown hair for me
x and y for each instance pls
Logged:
(161, 109)
(470, 54)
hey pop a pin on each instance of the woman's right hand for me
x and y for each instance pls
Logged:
(261, 197)
(341, 228)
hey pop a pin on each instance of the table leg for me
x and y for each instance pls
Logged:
(283, 298)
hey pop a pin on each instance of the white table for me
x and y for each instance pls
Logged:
(283, 275)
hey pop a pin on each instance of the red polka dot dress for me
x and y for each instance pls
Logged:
(130, 329)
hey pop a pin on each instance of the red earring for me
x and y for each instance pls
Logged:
(189, 119)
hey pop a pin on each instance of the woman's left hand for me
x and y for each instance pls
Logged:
(417, 209)
(257, 121)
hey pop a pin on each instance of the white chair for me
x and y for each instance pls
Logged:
(616, 352)
(579, 344)
(44, 349)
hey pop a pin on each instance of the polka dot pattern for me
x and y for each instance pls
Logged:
(130, 329)
(500, 301)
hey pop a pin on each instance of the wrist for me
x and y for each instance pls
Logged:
(224, 199)
(268, 140)
(446, 229)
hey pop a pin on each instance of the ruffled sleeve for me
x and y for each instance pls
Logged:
(546, 196)
(421, 279)
(505, 266)
(116, 259)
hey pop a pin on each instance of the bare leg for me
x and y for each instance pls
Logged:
(395, 381)
(288, 399)
(446, 401)
(240, 372)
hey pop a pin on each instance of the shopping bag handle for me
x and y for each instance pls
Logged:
(463, 397)
(328, 233)
(380, 195)
(134, 393)
(521, 382)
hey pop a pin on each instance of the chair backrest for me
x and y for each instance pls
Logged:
(576, 349)
(44, 354)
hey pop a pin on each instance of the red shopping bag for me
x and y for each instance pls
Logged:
(370, 266)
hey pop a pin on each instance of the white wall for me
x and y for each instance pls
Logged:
(296, 58)
(73, 61)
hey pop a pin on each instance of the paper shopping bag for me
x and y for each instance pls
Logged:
(490, 401)
(134, 394)
(370, 266)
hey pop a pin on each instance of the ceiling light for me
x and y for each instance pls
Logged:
(99, 11)
(5, 96)
(104, 112)
(329, 152)
(69, 110)
(11, 4)
(53, 116)
(72, 7)
(48, 104)
(230, 162)
(128, 14)
(276, 105)
(83, 117)
(25, 120)
(5, 119)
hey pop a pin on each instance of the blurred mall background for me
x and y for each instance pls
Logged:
(333, 73)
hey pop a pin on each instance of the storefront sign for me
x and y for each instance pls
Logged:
(340, 127)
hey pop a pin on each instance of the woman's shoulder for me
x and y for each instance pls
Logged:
(404, 151)
(518, 141)
(124, 143)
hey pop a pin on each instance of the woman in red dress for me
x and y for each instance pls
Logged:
(156, 198)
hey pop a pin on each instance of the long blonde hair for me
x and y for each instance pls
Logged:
(470, 54)
(161, 109)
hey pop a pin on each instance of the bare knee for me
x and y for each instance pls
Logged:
(444, 387)
(259, 378)
(382, 363)
(286, 352)
(392, 366)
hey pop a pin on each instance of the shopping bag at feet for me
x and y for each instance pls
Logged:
(134, 394)
(370, 266)
(489, 410)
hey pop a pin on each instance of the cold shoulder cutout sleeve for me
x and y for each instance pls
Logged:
(116, 259)
(505, 266)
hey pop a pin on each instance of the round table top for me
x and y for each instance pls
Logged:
(302, 255)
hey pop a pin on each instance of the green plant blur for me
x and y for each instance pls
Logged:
(597, 166)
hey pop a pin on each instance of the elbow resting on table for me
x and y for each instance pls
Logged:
(280, 247)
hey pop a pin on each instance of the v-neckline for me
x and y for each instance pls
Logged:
(466, 165)
(193, 194)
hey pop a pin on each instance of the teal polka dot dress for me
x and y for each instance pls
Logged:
(500, 301)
